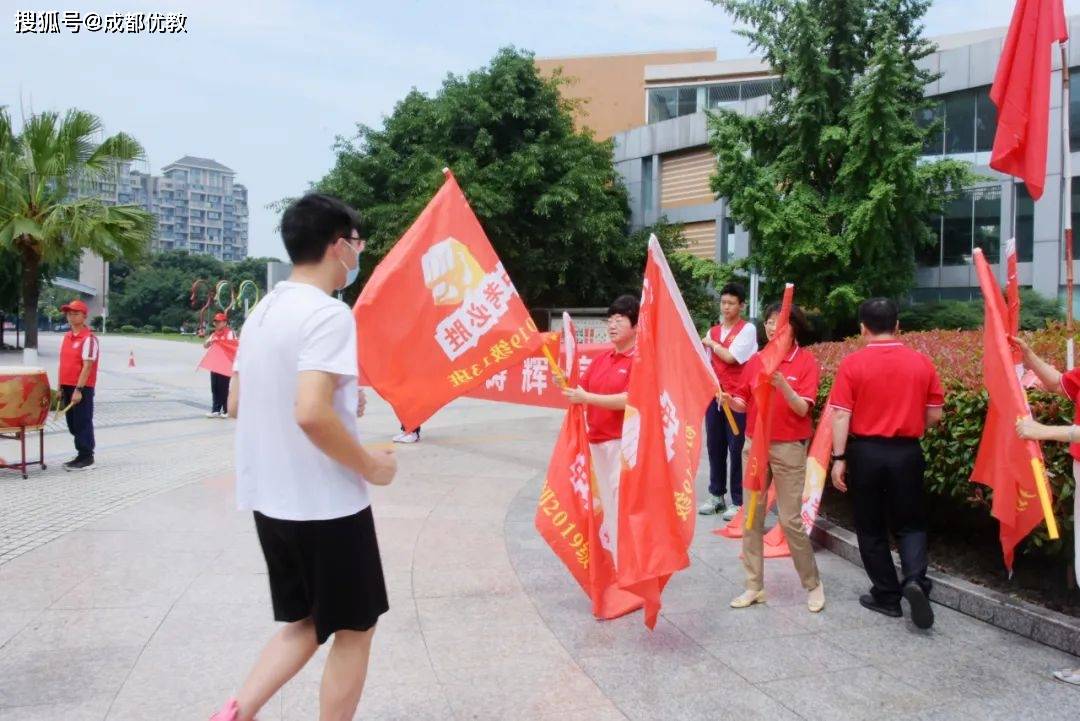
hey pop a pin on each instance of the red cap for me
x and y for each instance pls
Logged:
(76, 306)
(221, 316)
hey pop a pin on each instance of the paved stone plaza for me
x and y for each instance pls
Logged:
(136, 592)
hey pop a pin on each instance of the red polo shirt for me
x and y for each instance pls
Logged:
(729, 374)
(608, 374)
(1070, 386)
(74, 349)
(887, 387)
(803, 374)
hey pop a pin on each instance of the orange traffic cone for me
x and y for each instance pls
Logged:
(131, 360)
(776, 543)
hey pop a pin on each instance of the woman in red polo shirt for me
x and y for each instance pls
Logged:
(603, 388)
(796, 384)
(1067, 384)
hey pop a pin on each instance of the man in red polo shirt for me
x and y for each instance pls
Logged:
(796, 382)
(731, 343)
(884, 397)
(79, 353)
(603, 388)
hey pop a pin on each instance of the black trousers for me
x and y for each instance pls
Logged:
(885, 476)
(722, 443)
(219, 390)
(80, 419)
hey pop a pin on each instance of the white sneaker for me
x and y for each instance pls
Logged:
(711, 506)
(212, 414)
(730, 513)
(223, 414)
(407, 437)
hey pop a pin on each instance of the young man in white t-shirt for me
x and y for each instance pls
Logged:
(301, 469)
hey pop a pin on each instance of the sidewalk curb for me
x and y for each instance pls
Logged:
(998, 609)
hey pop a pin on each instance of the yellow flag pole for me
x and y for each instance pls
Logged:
(727, 412)
(1044, 497)
(556, 371)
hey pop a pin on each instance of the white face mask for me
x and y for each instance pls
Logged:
(350, 273)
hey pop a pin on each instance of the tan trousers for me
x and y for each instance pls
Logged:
(787, 468)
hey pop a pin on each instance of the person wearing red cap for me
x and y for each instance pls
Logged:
(219, 383)
(79, 353)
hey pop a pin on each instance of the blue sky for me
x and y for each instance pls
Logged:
(265, 86)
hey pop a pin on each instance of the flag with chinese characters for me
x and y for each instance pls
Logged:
(771, 356)
(439, 315)
(1005, 463)
(671, 385)
(569, 515)
(818, 459)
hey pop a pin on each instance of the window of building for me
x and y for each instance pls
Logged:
(667, 103)
(956, 230)
(986, 222)
(1074, 109)
(960, 123)
(717, 96)
(1025, 224)
(985, 121)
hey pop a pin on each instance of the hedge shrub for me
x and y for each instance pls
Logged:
(149, 328)
(168, 329)
(128, 329)
(951, 446)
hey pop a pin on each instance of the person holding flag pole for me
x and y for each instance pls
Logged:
(604, 390)
(795, 385)
(1067, 384)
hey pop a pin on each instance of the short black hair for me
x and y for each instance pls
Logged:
(627, 305)
(800, 326)
(313, 223)
(734, 289)
(879, 315)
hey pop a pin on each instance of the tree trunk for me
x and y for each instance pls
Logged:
(31, 290)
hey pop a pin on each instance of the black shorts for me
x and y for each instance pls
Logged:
(327, 570)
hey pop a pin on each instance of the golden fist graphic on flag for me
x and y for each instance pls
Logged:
(450, 271)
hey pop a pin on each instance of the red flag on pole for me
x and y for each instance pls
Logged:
(771, 356)
(220, 357)
(439, 314)
(1011, 466)
(569, 516)
(1021, 91)
(818, 459)
(671, 385)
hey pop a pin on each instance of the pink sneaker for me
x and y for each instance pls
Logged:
(229, 712)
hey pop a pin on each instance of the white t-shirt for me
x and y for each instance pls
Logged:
(745, 344)
(279, 472)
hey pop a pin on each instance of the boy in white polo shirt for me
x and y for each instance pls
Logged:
(301, 470)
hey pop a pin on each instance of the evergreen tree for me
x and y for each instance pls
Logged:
(828, 179)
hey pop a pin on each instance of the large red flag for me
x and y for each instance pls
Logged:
(671, 385)
(569, 516)
(1021, 91)
(220, 357)
(1009, 465)
(818, 459)
(439, 314)
(771, 356)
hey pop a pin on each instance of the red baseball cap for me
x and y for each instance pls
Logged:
(221, 316)
(75, 306)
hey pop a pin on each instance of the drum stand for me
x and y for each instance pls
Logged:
(20, 436)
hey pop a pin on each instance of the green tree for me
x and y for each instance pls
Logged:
(547, 195)
(41, 220)
(828, 179)
(157, 290)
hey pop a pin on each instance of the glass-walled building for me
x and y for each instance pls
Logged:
(666, 164)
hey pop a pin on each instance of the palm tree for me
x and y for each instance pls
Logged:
(41, 219)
